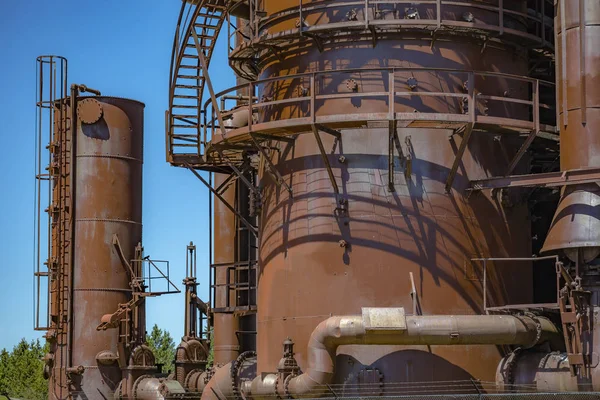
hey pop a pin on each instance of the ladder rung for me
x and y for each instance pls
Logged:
(209, 15)
(190, 67)
(178, 116)
(181, 96)
(184, 126)
(191, 77)
(206, 26)
(188, 86)
(184, 145)
(183, 106)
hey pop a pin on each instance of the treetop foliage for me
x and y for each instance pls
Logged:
(21, 371)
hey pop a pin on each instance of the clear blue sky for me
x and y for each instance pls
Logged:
(123, 48)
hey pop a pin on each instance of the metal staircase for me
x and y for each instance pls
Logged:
(185, 122)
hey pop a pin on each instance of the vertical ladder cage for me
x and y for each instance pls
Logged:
(52, 193)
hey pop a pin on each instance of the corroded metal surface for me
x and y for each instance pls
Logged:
(578, 99)
(109, 201)
(321, 256)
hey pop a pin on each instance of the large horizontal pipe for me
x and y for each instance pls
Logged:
(389, 326)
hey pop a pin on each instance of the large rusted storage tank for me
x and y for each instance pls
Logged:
(108, 202)
(317, 262)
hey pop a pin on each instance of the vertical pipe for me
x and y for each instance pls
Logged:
(582, 51)
(563, 56)
(73, 108)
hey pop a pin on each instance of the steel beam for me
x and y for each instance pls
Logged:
(333, 132)
(550, 179)
(325, 160)
(521, 152)
(250, 227)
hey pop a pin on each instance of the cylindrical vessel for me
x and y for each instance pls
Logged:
(108, 202)
(225, 343)
(318, 260)
(577, 220)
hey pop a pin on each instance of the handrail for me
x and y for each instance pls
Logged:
(368, 22)
(380, 69)
(524, 124)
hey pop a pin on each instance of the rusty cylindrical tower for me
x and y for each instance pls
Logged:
(101, 186)
(381, 237)
(369, 121)
(108, 199)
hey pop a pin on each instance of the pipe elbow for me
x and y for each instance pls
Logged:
(220, 385)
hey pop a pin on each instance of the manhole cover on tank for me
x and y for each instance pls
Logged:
(89, 111)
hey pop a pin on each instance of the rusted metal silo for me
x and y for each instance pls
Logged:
(108, 201)
(96, 225)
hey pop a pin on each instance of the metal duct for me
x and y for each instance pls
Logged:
(389, 326)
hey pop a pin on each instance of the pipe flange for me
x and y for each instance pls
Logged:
(137, 383)
(186, 380)
(276, 385)
(119, 390)
(544, 360)
(286, 386)
(511, 364)
(235, 369)
(538, 326)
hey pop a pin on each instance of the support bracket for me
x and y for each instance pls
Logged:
(337, 134)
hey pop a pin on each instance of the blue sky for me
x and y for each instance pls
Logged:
(123, 48)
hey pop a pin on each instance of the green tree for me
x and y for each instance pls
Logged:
(21, 371)
(163, 347)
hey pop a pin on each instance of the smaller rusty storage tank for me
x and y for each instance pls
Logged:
(108, 201)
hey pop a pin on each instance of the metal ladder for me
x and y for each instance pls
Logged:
(53, 191)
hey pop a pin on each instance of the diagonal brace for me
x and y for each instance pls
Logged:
(337, 134)
(239, 173)
(250, 227)
(458, 157)
(521, 152)
(272, 168)
(326, 160)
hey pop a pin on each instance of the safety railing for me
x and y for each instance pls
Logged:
(52, 238)
(485, 261)
(153, 273)
(238, 289)
(532, 27)
(262, 109)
